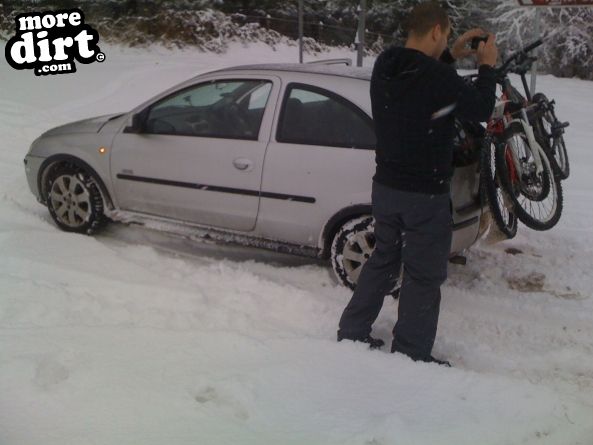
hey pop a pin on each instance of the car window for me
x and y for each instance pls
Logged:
(259, 97)
(225, 109)
(313, 116)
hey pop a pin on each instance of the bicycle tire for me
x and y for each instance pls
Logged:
(493, 193)
(523, 207)
(554, 146)
(532, 187)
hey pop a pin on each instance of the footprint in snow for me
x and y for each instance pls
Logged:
(373, 441)
(210, 398)
(49, 373)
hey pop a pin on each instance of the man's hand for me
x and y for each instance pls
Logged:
(488, 52)
(460, 49)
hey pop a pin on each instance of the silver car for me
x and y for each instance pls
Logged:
(278, 156)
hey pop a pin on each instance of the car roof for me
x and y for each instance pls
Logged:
(362, 73)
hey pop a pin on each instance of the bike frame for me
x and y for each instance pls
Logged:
(510, 118)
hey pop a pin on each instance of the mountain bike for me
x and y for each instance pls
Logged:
(518, 180)
(548, 129)
(550, 133)
(524, 168)
(490, 183)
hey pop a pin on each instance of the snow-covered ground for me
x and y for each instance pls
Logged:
(138, 337)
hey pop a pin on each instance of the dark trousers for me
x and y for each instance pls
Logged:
(414, 229)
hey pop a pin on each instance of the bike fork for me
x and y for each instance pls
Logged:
(533, 144)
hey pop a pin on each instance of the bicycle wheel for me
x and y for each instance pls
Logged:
(497, 199)
(550, 134)
(534, 186)
(536, 197)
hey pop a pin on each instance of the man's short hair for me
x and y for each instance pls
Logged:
(426, 16)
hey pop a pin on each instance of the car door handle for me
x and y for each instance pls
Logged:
(243, 164)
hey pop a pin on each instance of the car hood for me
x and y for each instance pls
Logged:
(92, 125)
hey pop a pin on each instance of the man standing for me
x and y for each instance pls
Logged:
(415, 96)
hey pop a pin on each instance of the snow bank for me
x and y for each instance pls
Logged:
(141, 337)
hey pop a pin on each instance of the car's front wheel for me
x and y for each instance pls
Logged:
(351, 247)
(74, 200)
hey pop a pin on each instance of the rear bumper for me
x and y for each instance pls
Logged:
(466, 223)
(467, 226)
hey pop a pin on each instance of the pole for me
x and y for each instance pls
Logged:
(301, 8)
(538, 28)
(362, 10)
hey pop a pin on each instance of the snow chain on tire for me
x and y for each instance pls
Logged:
(97, 219)
(341, 238)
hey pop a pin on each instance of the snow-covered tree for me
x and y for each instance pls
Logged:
(568, 48)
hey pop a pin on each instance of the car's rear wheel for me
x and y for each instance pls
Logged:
(351, 247)
(74, 200)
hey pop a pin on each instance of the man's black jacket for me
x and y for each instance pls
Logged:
(415, 99)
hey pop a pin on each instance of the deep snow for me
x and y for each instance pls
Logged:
(139, 337)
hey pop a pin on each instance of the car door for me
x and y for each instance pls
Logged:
(321, 154)
(198, 153)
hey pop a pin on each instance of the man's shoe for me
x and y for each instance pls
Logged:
(374, 343)
(429, 359)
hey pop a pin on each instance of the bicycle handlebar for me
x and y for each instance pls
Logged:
(534, 45)
(521, 53)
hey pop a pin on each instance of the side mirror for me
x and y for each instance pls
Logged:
(137, 124)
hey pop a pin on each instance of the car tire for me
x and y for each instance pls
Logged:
(74, 200)
(351, 247)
